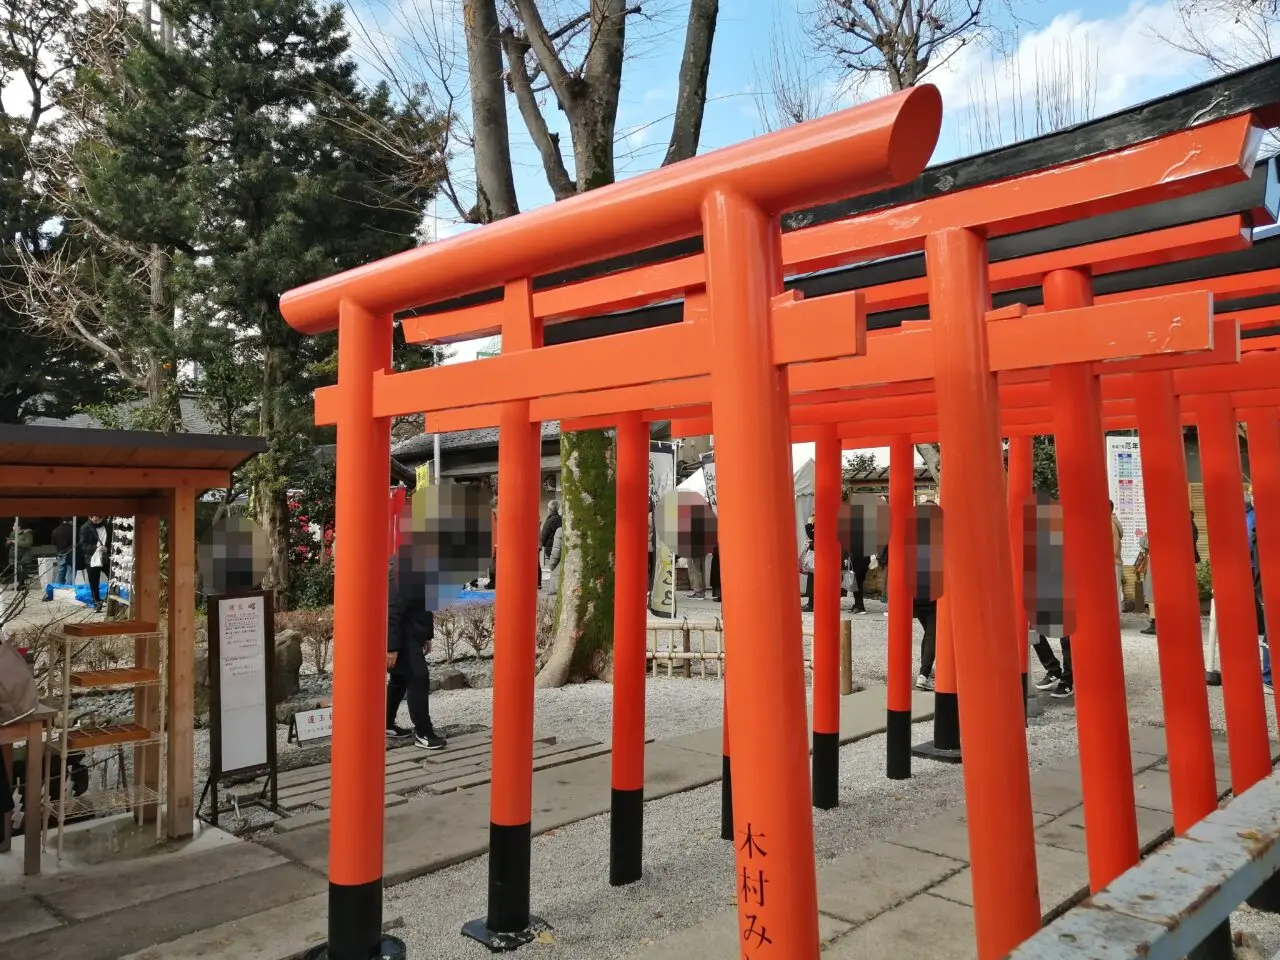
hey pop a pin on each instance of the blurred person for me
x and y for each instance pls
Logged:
(713, 578)
(806, 567)
(1142, 568)
(21, 541)
(1117, 536)
(550, 525)
(410, 630)
(554, 558)
(95, 550)
(63, 540)
(926, 611)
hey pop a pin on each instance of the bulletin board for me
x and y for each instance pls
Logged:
(242, 735)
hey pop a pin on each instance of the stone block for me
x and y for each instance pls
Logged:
(924, 928)
(947, 834)
(1062, 875)
(1054, 792)
(867, 882)
(448, 678)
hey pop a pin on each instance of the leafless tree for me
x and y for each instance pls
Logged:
(899, 42)
(789, 87)
(1007, 106)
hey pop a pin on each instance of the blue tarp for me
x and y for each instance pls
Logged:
(477, 596)
(83, 595)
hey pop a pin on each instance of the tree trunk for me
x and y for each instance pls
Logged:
(495, 185)
(270, 493)
(584, 620)
(691, 101)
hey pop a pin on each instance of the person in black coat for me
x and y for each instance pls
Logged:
(94, 545)
(410, 630)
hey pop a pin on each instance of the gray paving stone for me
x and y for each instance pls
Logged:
(1154, 826)
(717, 939)
(1151, 789)
(22, 916)
(947, 834)
(1054, 792)
(924, 928)
(1062, 875)
(391, 800)
(868, 882)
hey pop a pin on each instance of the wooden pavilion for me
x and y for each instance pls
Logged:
(65, 471)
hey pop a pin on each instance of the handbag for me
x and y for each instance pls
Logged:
(806, 560)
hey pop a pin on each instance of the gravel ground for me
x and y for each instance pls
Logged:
(688, 869)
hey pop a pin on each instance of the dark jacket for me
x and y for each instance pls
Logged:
(410, 625)
(1195, 536)
(549, 527)
(87, 542)
(62, 537)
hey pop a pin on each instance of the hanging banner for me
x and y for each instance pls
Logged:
(709, 477)
(662, 565)
(1124, 478)
(422, 475)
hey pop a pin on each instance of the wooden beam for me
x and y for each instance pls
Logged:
(111, 478)
(180, 772)
(145, 603)
(83, 505)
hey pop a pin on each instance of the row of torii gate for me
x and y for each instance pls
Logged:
(763, 367)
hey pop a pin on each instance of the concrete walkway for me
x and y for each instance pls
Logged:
(910, 895)
(220, 897)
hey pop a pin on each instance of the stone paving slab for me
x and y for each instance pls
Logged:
(923, 928)
(877, 878)
(276, 934)
(23, 916)
(1154, 827)
(946, 835)
(1062, 875)
(110, 936)
(717, 939)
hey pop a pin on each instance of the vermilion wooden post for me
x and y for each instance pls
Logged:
(1102, 716)
(1173, 574)
(945, 745)
(900, 583)
(626, 822)
(1019, 489)
(773, 825)
(1264, 467)
(359, 667)
(997, 781)
(1242, 693)
(826, 620)
(508, 922)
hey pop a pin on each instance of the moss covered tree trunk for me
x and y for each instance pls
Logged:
(584, 619)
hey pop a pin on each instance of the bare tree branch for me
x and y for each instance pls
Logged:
(548, 143)
(788, 89)
(543, 46)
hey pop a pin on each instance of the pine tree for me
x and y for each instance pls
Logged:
(242, 142)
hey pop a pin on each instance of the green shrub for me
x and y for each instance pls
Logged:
(1204, 580)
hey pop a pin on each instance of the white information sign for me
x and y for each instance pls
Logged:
(662, 480)
(242, 688)
(1124, 478)
(313, 724)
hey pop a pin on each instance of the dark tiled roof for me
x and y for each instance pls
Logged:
(422, 447)
(193, 419)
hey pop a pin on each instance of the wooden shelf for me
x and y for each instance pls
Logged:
(117, 628)
(102, 802)
(108, 736)
(119, 677)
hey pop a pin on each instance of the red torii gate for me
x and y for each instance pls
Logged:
(736, 193)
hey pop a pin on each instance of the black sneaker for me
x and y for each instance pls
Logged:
(1150, 629)
(397, 732)
(1063, 690)
(1048, 680)
(430, 742)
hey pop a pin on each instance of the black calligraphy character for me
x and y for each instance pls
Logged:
(752, 844)
(753, 887)
(761, 935)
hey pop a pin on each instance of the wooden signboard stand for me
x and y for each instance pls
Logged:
(242, 735)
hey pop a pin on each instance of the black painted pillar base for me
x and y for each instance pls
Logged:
(1216, 946)
(1267, 897)
(726, 801)
(898, 745)
(626, 836)
(945, 745)
(1213, 678)
(355, 924)
(389, 948)
(826, 770)
(508, 924)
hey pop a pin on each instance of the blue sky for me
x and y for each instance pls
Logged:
(1121, 49)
